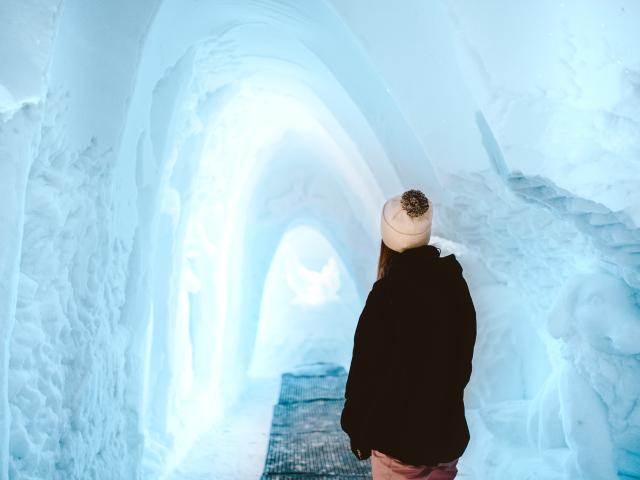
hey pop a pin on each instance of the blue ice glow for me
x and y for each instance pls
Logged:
(312, 287)
(309, 302)
(191, 196)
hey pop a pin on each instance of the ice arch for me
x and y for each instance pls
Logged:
(294, 173)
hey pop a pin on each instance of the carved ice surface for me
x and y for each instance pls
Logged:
(190, 206)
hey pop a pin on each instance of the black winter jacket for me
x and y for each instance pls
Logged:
(412, 355)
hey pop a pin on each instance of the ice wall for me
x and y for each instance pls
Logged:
(154, 154)
(558, 94)
(558, 82)
(64, 412)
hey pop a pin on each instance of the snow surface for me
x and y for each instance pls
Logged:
(191, 196)
(236, 447)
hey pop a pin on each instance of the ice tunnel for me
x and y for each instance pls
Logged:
(191, 197)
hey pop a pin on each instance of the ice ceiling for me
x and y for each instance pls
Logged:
(181, 180)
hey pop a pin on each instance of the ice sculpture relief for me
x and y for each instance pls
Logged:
(590, 403)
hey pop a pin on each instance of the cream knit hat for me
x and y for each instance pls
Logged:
(406, 221)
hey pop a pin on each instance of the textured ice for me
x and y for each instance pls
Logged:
(191, 196)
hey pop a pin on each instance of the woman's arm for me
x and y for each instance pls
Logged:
(368, 351)
(468, 330)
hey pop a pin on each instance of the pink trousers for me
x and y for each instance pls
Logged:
(384, 467)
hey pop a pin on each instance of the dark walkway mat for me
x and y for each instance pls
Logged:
(299, 388)
(306, 440)
(307, 416)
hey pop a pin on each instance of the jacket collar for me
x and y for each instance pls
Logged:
(413, 257)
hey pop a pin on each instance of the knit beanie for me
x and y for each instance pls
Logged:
(406, 221)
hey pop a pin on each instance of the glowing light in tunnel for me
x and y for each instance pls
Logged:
(310, 286)
(309, 308)
(233, 159)
(318, 286)
(254, 120)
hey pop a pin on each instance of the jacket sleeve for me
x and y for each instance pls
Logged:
(468, 331)
(368, 353)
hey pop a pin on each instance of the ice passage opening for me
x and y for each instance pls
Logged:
(309, 309)
(269, 161)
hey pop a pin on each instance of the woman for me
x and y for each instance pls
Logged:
(412, 353)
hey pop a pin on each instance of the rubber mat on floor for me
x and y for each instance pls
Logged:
(320, 453)
(299, 388)
(309, 416)
(306, 440)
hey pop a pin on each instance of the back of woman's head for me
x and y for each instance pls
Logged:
(405, 223)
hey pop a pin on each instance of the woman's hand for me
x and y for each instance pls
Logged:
(360, 451)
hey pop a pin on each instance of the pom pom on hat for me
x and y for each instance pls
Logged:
(414, 202)
(406, 220)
